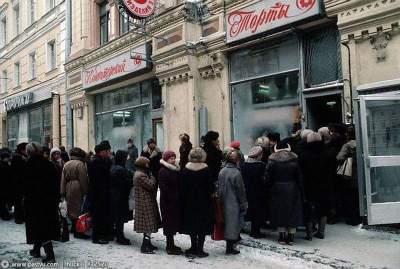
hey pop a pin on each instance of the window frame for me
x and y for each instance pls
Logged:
(51, 61)
(32, 65)
(3, 30)
(104, 13)
(50, 4)
(32, 12)
(17, 19)
(17, 74)
(3, 82)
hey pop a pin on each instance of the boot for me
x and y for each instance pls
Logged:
(255, 231)
(35, 252)
(200, 246)
(290, 239)
(171, 248)
(192, 251)
(321, 228)
(146, 246)
(48, 249)
(309, 231)
(122, 240)
(230, 249)
(282, 238)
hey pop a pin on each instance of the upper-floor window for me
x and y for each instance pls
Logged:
(104, 19)
(3, 81)
(31, 11)
(17, 74)
(16, 20)
(50, 4)
(3, 32)
(32, 65)
(51, 55)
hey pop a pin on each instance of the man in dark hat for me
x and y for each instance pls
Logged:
(99, 193)
(214, 154)
(154, 154)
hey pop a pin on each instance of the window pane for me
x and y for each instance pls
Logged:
(264, 60)
(47, 126)
(36, 125)
(156, 94)
(12, 130)
(385, 184)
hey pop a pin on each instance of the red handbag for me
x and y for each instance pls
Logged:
(218, 232)
(84, 223)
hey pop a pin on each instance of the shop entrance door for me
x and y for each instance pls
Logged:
(380, 137)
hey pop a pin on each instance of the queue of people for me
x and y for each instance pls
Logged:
(279, 184)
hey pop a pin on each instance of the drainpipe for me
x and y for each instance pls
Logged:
(68, 41)
(345, 44)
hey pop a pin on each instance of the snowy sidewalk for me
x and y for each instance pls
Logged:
(344, 247)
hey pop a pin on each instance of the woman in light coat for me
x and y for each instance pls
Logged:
(232, 195)
(74, 186)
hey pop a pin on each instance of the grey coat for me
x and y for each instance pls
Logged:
(232, 195)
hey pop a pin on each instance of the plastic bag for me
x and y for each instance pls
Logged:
(84, 224)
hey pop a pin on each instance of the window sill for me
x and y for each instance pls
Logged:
(51, 70)
(32, 79)
(17, 87)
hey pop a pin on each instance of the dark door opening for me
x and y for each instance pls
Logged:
(323, 110)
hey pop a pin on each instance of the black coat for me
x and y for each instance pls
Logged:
(316, 187)
(121, 185)
(329, 166)
(99, 195)
(41, 201)
(7, 189)
(253, 177)
(154, 158)
(184, 150)
(213, 160)
(284, 181)
(197, 204)
(170, 204)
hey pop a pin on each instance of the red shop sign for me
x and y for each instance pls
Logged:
(140, 8)
(268, 14)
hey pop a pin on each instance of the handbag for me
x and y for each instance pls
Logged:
(84, 224)
(346, 168)
(218, 231)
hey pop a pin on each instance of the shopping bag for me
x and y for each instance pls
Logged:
(346, 168)
(84, 224)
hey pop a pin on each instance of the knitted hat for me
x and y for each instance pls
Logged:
(255, 152)
(54, 150)
(235, 144)
(313, 137)
(168, 154)
(197, 155)
(304, 133)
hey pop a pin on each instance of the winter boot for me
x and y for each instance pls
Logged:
(122, 240)
(309, 231)
(35, 252)
(230, 248)
(171, 248)
(282, 238)
(48, 249)
(200, 246)
(146, 246)
(290, 239)
(321, 228)
(192, 251)
(255, 231)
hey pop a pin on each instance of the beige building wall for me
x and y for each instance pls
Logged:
(48, 25)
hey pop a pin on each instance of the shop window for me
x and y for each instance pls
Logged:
(12, 130)
(170, 37)
(104, 22)
(158, 133)
(210, 27)
(3, 31)
(264, 60)
(322, 56)
(47, 126)
(36, 125)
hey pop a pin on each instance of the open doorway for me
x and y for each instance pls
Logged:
(323, 110)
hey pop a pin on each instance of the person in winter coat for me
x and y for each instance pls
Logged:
(232, 196)
(132, 156)
(147, 217)
(169, 180)
(214, 154)
(197, 190)
(236, 145)
(350, 199)
(99, 193)
(284, 180)
(316, 188)
(6, 184)
(18, 163)
(154, 154)
(253, 171)
(263, 142)
(121, 184)
(74, 186)
(184, 149)
(55, 159)
(64, 154)
(41, 203)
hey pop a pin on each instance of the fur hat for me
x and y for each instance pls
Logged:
(304, 133)
(168, 154)
(325, 134)
(235, 144)
(141, 162)
(255, 152)
(313, 137)
(77, 152)
(54, 150)
(104, 145)
(197, 155)
(210, 136)
(262, 141)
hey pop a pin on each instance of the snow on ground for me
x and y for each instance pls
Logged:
(344, 247)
